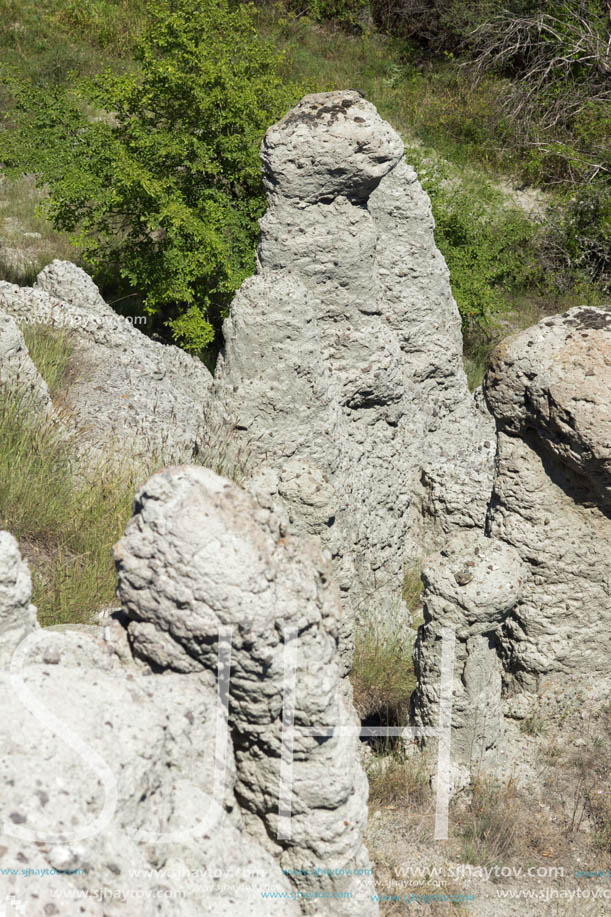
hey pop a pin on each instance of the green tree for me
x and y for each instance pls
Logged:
(156, 171)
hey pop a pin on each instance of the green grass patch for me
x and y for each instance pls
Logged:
(489, 244)
(65, 528)
(383, 677)
(50, 350)
(51, 41)
(28, 242)
(65, 525)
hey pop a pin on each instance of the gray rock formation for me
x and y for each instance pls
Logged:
(64, 280)
(17, 614)
(127, 395)
(549, 389)
(554, 381)
(344, 352)
(472, 585)
(143, 792)
(17, 372)
(147, 770)
(530, 602)
(201, 554)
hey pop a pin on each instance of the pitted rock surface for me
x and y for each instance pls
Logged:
(549, 389)
(471, 586)
(299, 154)
(64, 280)
(200, 554)
(344, 350)
(153, 788)
(554, 381)
(17, 614)
(127, 395)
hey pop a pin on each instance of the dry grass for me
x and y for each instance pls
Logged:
(399, 781)
(579, 768)
(28, 242)
(491, 824)
(536, 722)
(402, 812)
(383, 673)
(412, 590)
(67, 522)
(564, 813)
(223, 452)
(51, 351)
(383, 677)
(65, 525)
(599, 794)
(501, 823)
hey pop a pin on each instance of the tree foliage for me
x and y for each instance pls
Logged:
(489, 245)
(156, 171)
(524, 85)
(561, 53)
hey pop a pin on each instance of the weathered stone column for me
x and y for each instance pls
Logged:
(471, 585)
(549, 390)
(200, 554)
(344, 352)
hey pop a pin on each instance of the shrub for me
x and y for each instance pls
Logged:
(156, 171)
(581, 229)
(559, 56)
(489, 245)
(438, 25)
(352, 15)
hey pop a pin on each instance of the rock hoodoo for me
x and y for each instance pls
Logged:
(471, 586)
(344, 352)
(549, 389)
(342, 383)
(198, 555)
(97, 815)
(531, 601)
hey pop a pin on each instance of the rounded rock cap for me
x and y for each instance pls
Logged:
(330, 144)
